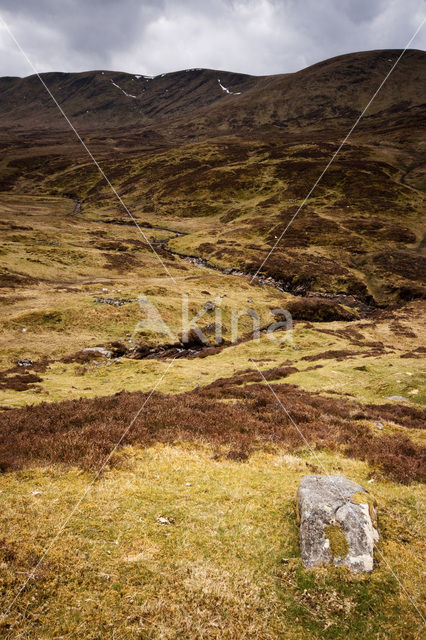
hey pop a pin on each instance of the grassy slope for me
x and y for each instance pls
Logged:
(360, 233)
(227, 566)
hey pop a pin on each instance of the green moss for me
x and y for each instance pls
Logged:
(362, 497)
(53, 320)
(339, 547)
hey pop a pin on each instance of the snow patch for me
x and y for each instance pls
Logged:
(138, 77)
(231, 93)
(129, 95)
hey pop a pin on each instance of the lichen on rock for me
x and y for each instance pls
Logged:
(337, 523)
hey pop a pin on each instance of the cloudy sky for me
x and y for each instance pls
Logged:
(156, 36)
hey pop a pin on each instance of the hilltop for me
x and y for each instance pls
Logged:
(326, 96)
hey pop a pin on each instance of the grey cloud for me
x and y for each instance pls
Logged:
(155, 36)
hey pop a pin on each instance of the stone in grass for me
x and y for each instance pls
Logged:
(25, 362)
(101, 350)
(337, 523)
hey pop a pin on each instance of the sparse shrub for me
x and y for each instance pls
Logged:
(332, 354)
(318, 310)
(83, 432)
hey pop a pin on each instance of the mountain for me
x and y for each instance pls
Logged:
(99, 99)
(235, 156)
(330, 93)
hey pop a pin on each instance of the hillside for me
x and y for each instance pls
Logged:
(237, 166)
(192, 102)
(190, 531)
(103, 99)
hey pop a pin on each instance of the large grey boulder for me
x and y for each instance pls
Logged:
(337, 523)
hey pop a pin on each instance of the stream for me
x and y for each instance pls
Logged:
(285, 287)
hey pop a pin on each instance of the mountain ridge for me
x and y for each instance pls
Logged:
(338, 88)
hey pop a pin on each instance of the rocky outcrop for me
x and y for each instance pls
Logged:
(337, 523)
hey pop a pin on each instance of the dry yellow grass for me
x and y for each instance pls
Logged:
(174, 544)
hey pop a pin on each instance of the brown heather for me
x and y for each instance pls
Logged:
(234, 419)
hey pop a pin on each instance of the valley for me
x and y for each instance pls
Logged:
(188, 528)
